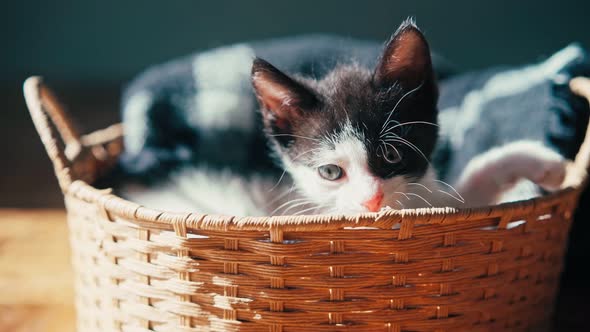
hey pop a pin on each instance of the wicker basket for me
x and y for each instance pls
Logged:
(139, 269)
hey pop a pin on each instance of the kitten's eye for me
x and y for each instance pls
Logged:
(393, 156)
(330, 172)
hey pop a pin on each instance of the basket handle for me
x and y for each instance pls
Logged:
(53, 125)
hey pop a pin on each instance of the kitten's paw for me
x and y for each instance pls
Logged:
(549, 174)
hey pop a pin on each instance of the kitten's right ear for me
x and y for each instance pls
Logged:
(405, 59)
(282, 99)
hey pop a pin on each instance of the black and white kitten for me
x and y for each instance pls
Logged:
(359, 138)
(353, 139)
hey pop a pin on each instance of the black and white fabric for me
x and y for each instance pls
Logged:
(492, 107)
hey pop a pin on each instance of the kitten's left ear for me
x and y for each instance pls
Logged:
(406, 59)
(283, 100)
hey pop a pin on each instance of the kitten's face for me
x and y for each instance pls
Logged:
(355, 140)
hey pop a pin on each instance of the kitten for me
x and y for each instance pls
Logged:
(357, 139)
(354, 139)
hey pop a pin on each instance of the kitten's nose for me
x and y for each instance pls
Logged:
(374, 204)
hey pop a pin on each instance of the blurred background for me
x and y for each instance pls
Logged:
(88, 50)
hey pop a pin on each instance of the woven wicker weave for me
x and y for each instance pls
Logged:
(139, 269)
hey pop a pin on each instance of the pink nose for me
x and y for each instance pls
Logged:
(374, 204)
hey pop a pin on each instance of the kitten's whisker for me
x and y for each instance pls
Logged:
(399, 101)
(400, 203)
(388, 128)
(279, 181)
(452, 188)
(389, 122)
(285, 193)
(306, 210)
(287, 204)
(422, 198)
(281, 195)
(414, 122)
(396, 151)
(383, 146)
(421, 185)
(298, 200)
(296, 205)
(408, 123)
(444, 192)
(410, 145)
(380, 148)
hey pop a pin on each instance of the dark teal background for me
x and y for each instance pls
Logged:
(109, 41)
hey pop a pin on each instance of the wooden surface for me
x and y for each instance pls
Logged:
(36, 281)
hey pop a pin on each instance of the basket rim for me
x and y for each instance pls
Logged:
(115, 206)
(52, 122)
